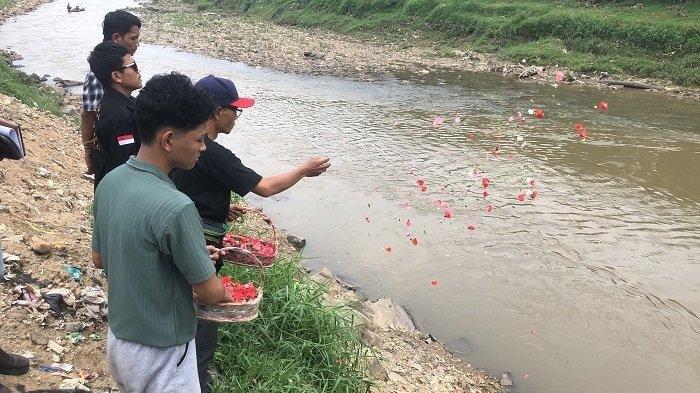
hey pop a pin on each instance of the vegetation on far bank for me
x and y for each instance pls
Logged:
(659, 39)
(5, 3)
(17, 84)
(297, 344)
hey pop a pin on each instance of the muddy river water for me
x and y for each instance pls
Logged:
(592, 286)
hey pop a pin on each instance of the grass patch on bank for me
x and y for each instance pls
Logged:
(17, 84)
(5, 3)
(297, 344)
(658, 39)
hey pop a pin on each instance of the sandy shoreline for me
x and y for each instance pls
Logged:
(315, 51)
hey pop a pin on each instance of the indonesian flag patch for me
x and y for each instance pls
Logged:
(125, 139)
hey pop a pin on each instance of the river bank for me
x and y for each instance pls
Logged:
(318, 51)
(46, 229)
(46, 235)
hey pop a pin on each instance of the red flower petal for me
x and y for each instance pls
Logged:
(434, 283)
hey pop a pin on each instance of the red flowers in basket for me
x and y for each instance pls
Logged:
(238, 291)
(256, 246)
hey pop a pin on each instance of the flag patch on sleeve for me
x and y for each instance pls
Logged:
(125, 139)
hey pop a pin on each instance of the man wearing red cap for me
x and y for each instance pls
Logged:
(210, 183)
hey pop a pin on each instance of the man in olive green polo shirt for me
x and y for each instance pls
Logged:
(148, 238)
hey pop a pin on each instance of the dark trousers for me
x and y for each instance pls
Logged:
(206, 340)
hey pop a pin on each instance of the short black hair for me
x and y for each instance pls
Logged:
(107, 57)
(119, 22)
(171, 100)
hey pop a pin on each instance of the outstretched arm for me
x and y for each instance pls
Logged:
(273, 185)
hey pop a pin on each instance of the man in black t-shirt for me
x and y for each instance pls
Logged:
(115, 131)
(218, 173)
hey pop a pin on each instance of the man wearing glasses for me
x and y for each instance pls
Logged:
(116, 138)
(121, 27)
(210, 183)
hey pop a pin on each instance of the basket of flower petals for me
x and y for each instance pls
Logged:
(243, 308)
(257, 252)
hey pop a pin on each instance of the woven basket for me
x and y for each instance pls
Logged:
(244, 258)
(233, 312)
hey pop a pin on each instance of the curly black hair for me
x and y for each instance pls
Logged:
(119, 22)
(106, 58)
(170, 100)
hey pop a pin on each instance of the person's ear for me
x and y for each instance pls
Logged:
(116, 37)
(116, 77)
(166, 140)
(217, 113)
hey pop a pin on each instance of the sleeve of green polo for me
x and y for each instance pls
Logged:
(183, 240)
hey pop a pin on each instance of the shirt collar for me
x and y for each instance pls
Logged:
(129, 101)
(144, 166)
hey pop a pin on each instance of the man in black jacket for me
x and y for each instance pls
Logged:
(218, 173)
(115, 131)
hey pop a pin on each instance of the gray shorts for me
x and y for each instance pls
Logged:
(138, 368)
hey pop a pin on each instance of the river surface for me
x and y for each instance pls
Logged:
(593, 286)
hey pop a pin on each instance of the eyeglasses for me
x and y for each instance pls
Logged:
(136, 68)
(233, 108)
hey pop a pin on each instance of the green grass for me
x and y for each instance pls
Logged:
(5, 3)
(16, 84)
(296, 344)
(658, 39)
